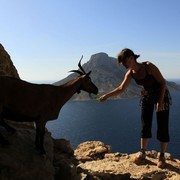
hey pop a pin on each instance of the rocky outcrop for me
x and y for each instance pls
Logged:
(96, 161)
(7, 67)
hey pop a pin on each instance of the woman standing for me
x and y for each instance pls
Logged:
(154, 93)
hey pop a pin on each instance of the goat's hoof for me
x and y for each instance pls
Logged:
(43, 156)
(12, 131)
(37, 145)
(4, 142)
(42, 152)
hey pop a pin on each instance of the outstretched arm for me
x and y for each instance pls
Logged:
(119, 89)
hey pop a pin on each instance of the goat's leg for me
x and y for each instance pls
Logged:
(8, 128)
(41, 136)
(3, 141)
(39, 141)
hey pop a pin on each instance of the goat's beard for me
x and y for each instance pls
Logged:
(78, 91)
(93, 96)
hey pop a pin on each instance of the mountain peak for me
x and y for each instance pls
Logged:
(99, 55)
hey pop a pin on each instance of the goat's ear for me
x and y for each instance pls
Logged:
(88, 73)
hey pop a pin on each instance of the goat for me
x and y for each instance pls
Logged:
(22, 101)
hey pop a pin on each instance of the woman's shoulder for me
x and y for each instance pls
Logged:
(147, 63)
(149, 66)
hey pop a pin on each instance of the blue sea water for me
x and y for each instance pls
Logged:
(114, 122)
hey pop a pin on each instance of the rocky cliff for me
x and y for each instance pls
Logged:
(107, 75)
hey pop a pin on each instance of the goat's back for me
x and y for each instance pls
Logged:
(26, 98)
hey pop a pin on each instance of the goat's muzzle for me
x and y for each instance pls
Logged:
(95, 91)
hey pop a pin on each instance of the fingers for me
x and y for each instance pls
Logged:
(102, 98)
(159, 107)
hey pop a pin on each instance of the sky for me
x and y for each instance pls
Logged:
(46, 38)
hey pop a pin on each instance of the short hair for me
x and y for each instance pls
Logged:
(125, 53)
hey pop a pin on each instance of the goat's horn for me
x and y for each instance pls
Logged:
(77, 71)
(79, 65)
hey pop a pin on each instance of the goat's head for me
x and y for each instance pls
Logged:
(86, 85)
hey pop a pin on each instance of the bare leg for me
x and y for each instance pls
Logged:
(163, 146)
(142, 155)
(144, 143)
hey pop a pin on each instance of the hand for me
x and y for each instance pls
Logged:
(102, 98)
(159, 107)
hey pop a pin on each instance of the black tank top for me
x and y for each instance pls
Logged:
(149, 83)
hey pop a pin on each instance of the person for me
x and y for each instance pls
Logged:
(154, 93)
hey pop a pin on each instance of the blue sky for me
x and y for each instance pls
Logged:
(46, 38)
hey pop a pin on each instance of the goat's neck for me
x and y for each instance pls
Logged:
(70, 88)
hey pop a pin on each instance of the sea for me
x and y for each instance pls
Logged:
(115, 123)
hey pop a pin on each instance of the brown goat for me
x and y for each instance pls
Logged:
(26, 102)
